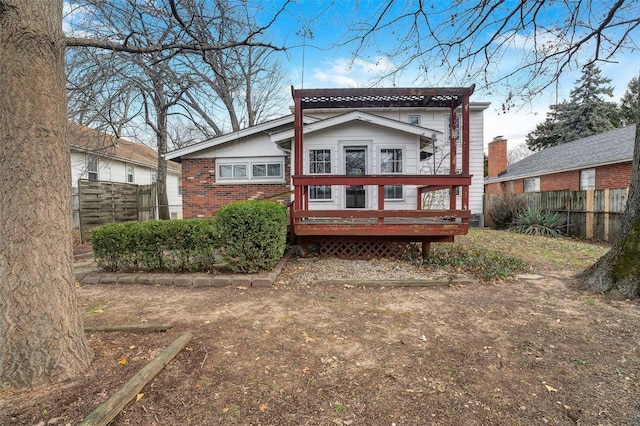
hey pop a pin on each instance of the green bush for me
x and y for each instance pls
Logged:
(503, 208)
(252, 234)
(176, 245)
(534, 221)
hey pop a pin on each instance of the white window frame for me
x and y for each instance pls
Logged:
(266, 165)
(447, 126)
(413, 119)
(529, 182)
(154, 177)
(395, 163)
(129, 173)
(314, 189)
(587, 179)
(91, 160)
(234, 167)
(237, 164)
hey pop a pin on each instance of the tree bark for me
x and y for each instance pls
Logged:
(161, 140)
(618, 271)
(41, 333)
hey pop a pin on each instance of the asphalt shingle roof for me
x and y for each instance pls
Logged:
(604, 148)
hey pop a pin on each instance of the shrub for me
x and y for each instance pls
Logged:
(481, 263)
(534, 221)
(175, 245)
(252, 234)
(504, 208)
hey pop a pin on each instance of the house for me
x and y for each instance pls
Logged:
(96, 156)
(601, 161)
(369, 159)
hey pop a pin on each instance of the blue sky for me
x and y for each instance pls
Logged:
(327, 64)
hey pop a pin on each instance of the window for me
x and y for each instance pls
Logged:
(320, 192)
(129, 173)
(532, 185)
(92, 169)
(588, 179)
(266, 170)
(232, 171)
(391, 162)
(458, 127)
(179, 188)
(154, 177)
(320, 163)
(413, 119)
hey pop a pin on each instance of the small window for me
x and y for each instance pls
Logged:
(92, 169)
(266, 170)
(320, 192)
(390, 161)
(130, 173)
(319, 161)
(154, 177)
(179, 188)
(393, 192)
(232, 171)
(413, 119)
(588, 179)
(532, 185)
(458, 127)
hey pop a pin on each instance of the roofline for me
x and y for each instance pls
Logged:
(474, 106)
(498, 179)
(101, 153)
(357, 116)
(228, 137)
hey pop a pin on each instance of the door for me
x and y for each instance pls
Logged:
(355, 164)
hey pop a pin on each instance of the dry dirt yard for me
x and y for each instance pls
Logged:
(520, 352)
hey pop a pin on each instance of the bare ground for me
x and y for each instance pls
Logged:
(523, 352)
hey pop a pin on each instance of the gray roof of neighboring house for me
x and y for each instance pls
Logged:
(614, 146)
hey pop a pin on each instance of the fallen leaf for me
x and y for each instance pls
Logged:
(225, 409)
(550, 388)
(263, 407)
(241, 287)
(123, 361)
(132, 347)
(139, 397)
(348, 286)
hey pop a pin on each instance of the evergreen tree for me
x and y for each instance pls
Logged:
(586, 113)
(629, 102)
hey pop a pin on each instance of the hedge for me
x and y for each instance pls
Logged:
(175, 245)
(247, 235)
(252, 234)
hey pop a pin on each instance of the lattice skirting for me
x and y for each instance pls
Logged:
(373, 248)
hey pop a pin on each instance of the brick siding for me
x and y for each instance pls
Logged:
(202, 196)
(613, 176)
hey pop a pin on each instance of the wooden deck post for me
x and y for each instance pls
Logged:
(426, 246)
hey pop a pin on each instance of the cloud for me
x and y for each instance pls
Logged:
(345, 72)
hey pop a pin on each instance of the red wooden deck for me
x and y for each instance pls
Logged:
(419, 225)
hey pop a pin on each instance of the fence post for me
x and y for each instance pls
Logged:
(606, 214)
(590, 195)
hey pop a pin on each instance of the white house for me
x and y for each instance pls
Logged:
(97, 156)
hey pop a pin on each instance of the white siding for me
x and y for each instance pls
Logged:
(258, 145)
(374, 138)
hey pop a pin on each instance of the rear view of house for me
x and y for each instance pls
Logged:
(370, 164)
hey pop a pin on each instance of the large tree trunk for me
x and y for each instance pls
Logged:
(161, 139)
(41, 334)
(618, 271)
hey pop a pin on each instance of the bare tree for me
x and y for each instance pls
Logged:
(518, 153)
(40, 326)
(543, 40)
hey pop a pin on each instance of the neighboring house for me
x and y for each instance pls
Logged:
(363, 149)
(601, 161)
(97, 156)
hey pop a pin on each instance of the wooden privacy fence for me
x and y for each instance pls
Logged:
(591, 214)
(107, 202)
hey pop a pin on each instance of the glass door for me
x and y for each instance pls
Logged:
(355, 164)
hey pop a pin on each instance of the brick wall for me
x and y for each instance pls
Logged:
(202, 196)
(557, 181)
(613, 176)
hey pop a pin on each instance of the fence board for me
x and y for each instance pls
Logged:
(107, 202)
(588, 212)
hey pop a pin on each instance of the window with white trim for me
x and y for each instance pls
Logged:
(232, 171)
(92, 169)
(129, 172)
(154, 177)
(391, 162)
(320, 164)
(532, 185)
(587, 179)
(266, 170)
(413, 119)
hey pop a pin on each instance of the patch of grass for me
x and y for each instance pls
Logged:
(590, 302)
(483, 264)
(95, 310)
(339, 408)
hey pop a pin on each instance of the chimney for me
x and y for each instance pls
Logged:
(497, 156)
